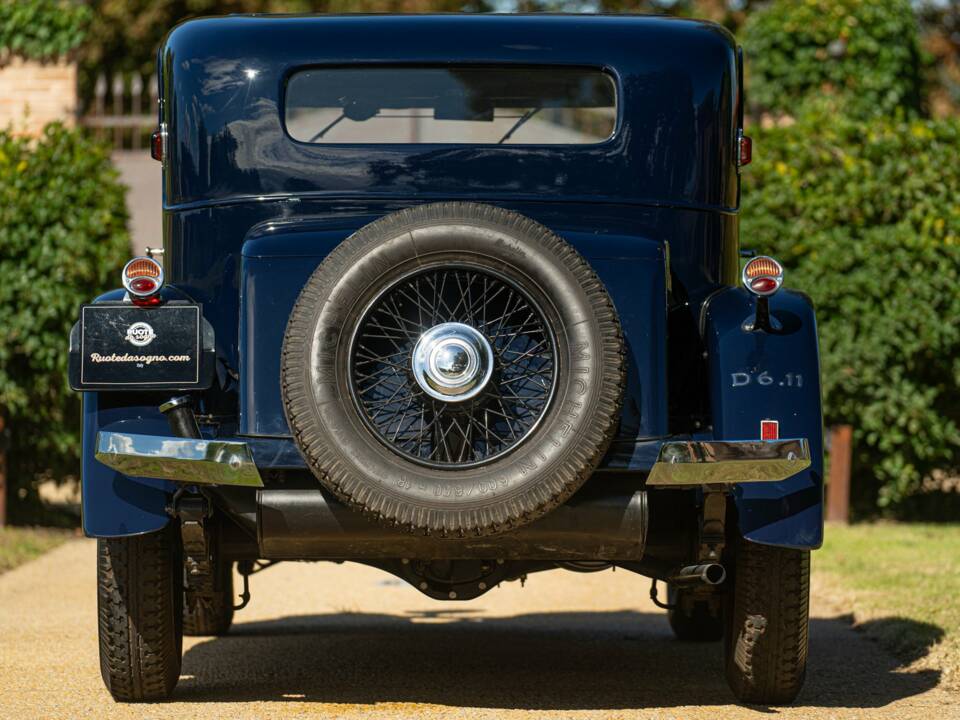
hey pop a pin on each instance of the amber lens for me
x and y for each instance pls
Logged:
(762, 266)
(143, 267)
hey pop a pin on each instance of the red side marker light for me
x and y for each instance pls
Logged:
(158, 144)
(745, 149)
(769, 429)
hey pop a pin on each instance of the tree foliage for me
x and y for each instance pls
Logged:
(856, 192)
(864, 52)
(41, 29)
(63, 240)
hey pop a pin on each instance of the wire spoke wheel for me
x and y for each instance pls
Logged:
(453, 369)
(453, 366)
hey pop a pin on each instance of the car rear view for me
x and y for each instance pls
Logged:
(462, 308)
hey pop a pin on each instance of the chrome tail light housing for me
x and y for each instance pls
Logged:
(762, 276)
(142, 278)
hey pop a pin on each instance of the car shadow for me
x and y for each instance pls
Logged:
(539, 661)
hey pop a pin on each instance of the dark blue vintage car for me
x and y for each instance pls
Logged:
(461, 298)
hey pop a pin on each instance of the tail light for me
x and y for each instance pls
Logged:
(143, 278)
(763, 276)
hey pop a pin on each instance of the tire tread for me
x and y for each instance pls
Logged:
(768, 634)
(138, 616)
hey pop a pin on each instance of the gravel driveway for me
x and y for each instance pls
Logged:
(345, 641)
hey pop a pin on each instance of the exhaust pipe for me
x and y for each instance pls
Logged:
(706, 573)
(598, 523)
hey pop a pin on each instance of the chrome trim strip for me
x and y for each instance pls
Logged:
(201, 462)
(715, 462)
(487, 197)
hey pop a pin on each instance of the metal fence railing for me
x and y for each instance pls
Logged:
(123, 110)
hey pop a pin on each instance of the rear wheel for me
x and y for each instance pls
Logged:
(693, 617)
(139, 602)
(767, 624)
(211, 615)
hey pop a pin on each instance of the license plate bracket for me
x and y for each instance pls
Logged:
(120, 346)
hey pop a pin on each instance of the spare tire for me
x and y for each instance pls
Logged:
(455, 369)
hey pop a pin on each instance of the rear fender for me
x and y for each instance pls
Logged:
(113, 504)
(757, 375)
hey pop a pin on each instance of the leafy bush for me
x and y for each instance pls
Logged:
(829, 170)
(63, 240)
(866, 216)
(41, 29)
(864, 51)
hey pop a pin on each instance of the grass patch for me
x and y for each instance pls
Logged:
(904, 581)
(19, 544)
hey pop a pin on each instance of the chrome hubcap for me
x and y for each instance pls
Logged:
(452, 362)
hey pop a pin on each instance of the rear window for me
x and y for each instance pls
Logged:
(474, 105)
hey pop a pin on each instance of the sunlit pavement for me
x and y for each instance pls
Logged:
(346, 641)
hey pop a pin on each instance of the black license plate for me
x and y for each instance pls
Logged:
(126, 346)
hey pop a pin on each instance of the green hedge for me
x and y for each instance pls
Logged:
(42, 29)
(829, 170)
(63, 240)
(864, 51)
(866, 216)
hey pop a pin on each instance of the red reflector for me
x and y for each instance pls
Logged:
(769, 429)
(143, 285)
(763, 285)
(156, 145)
(746, 150)
(146, 302)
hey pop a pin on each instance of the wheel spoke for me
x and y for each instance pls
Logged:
(432, 430)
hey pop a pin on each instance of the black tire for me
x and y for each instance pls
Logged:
(212, 616)
(536, 475)
(694, 618)
(767, 627)
(139, 607)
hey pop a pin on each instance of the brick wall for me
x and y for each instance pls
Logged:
(33, 94)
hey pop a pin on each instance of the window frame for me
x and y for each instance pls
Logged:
(608, 71)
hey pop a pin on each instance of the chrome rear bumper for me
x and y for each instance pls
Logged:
(230, 462)
(714, 462)
(201, 462)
